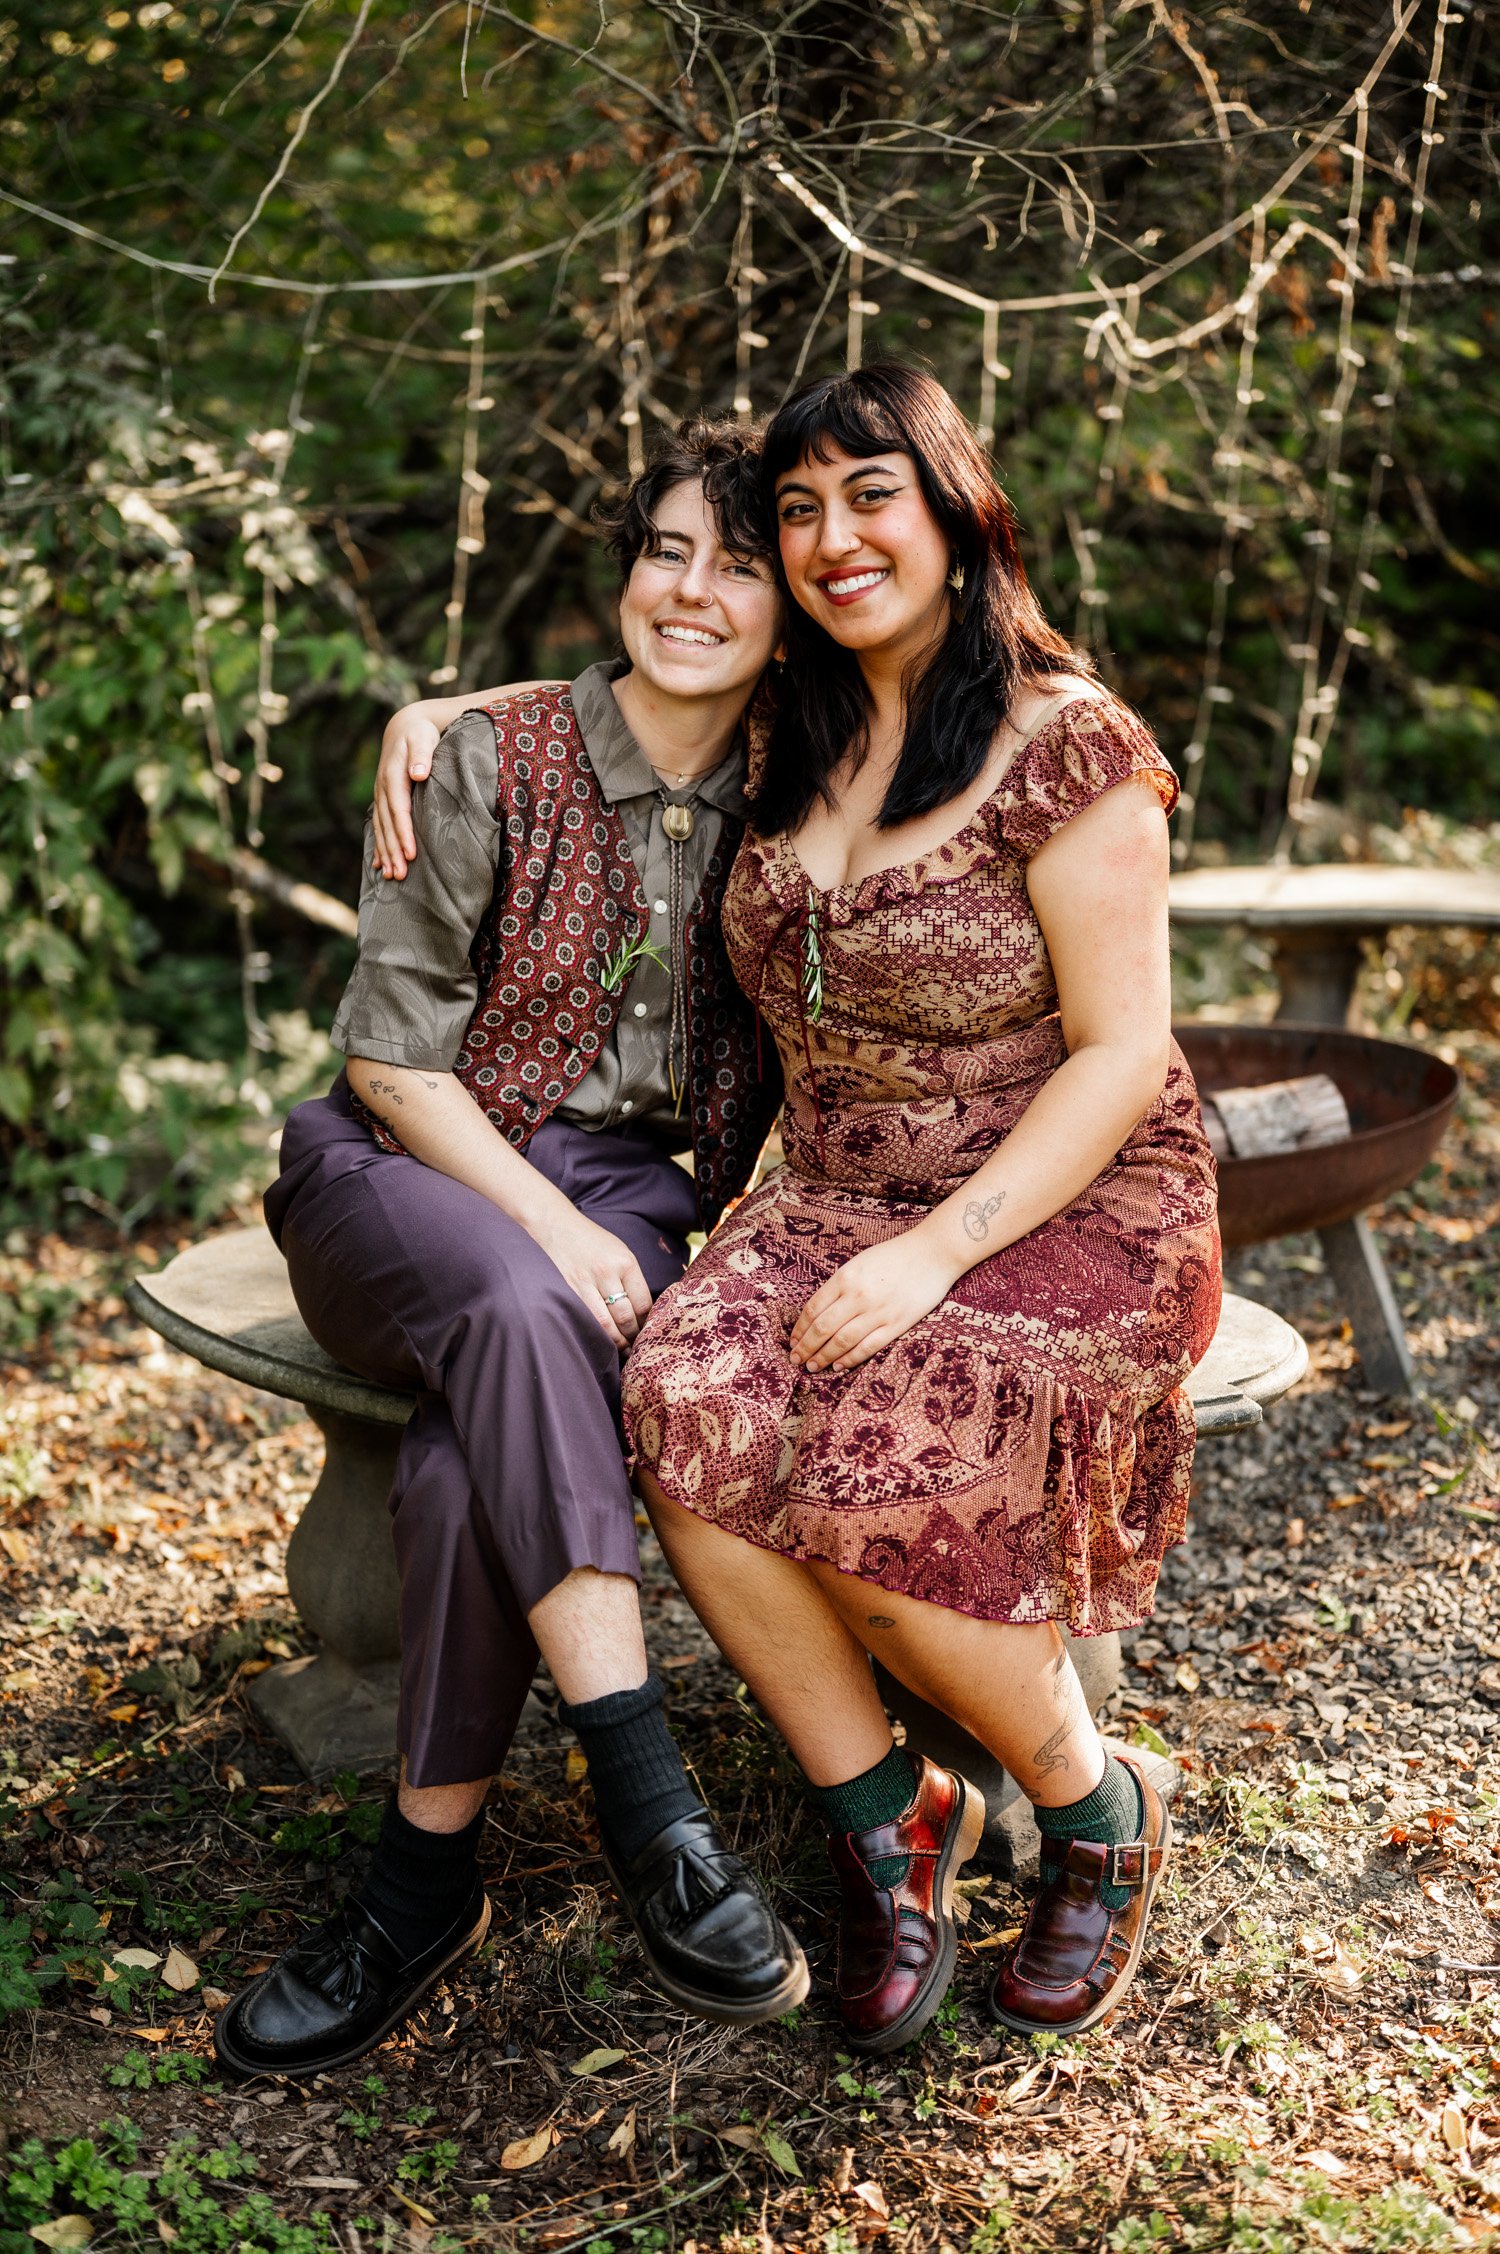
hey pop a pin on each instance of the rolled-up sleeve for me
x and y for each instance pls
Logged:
(413, 989)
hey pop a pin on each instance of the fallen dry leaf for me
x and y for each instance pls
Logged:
(215, 1999)
(1024, 2083)
(577, 1767)
(68, 2230)
(595, 2062)
(874, 2198)
(1329, 2162)
(1455, 2129)
(1185, 1675)
(423, 2214)
(622, 2139)
(747, 2140)
(139, 1960)
(179, 1971)
(525, 2152)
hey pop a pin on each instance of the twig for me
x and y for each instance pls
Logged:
(307, 900)
(294, 142)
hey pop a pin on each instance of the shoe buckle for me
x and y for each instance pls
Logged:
(1129, 1865)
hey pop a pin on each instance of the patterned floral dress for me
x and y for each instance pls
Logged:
(1023, 1453)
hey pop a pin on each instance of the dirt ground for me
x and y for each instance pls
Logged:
(1310, 2058)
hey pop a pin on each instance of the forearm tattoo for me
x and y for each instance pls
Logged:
(979, 1213)
(880, 1620)
(386, 1088)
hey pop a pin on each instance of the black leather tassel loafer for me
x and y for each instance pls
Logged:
(337, 1992)
(712, 1940)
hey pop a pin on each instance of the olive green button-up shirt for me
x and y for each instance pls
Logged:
(414, 991)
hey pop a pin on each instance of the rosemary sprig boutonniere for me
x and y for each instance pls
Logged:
(812, 963)
(622, 964)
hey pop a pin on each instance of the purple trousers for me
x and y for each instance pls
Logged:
(511, 1471)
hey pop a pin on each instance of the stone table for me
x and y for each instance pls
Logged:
(1315, 918)
(228, 1303)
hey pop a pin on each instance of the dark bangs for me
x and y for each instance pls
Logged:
(832, 413)
(997, 639)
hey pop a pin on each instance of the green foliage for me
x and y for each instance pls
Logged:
(143, 2070)
(228, 523)
(93, 2178)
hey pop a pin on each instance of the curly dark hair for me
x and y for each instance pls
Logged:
(716, 452)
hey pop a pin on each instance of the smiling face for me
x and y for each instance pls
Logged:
(863, 553)
(697, 620)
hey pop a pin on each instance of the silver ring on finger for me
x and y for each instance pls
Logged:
(611, 1298)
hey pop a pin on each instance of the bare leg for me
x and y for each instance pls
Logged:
(771, 1620)
(588, 1630)
(1014, 1688)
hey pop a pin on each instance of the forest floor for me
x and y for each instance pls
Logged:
(1311, 2057)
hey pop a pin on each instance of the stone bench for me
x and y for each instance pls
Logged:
(228, 1303)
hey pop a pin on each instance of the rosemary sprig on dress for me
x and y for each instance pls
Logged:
(812, 962)
(626, 960)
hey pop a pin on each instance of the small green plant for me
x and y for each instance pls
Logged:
(992, 2233)
(434, 2166)
(1136, 2231)
(363, 2123)
(598, 1980)
(139, 2070)
(91, 2185)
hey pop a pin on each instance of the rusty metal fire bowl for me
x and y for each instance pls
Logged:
(1400, 1102)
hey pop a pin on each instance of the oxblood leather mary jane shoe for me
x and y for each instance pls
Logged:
(897, 1944)
(337, 1992)
(1076, 1959)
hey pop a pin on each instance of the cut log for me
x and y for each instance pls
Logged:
(1280, 1116)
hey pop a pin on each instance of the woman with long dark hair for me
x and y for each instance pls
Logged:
(922, 1394)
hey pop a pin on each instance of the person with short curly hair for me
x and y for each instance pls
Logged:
(484, 1207)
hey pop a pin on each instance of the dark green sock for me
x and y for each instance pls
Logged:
(880, 1796)
(1112, 1814)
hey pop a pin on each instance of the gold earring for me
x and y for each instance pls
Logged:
(956, 578)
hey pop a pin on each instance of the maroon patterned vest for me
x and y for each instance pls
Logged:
(567, 899)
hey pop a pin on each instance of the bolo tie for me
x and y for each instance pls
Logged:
(678, 823)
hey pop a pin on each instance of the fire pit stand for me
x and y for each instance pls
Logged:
(1399, 1100)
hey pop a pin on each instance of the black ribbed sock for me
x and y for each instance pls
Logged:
(880, 1796)
(640, 1785)
(419, 1881)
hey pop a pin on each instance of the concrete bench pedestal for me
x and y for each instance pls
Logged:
(228, 1303)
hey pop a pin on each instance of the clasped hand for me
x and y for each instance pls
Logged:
(872, 1299)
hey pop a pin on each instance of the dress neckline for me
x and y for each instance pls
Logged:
(915, 870)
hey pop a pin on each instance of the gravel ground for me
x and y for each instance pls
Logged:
(1311, 2056)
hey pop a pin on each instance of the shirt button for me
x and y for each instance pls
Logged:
(660, 906)
(640, 1009)
(627, 1105)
